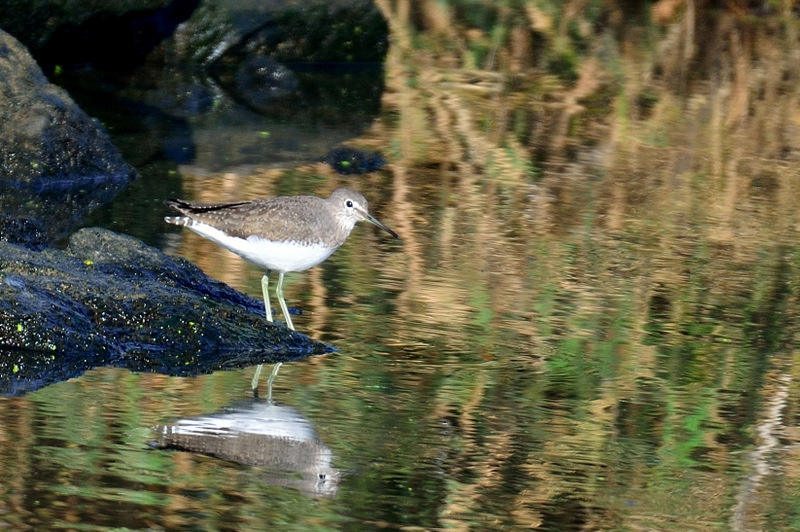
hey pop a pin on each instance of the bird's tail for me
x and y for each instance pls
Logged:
(179, 220)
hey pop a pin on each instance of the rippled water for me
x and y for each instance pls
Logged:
(590, 321)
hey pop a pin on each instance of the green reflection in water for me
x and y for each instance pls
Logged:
(594, 301)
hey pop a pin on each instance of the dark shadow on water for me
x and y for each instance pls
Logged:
(259, 114)
(42, 368)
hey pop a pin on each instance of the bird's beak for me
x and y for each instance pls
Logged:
(374, 221)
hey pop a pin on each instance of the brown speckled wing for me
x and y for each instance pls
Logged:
(282, 219)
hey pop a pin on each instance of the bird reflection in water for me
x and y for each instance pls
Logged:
(262, 434)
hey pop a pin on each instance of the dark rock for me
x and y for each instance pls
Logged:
(289, 32)
(220, 65)
(108, 299)
(34, 21)
(260, 80)
(57, 164)
(182, 99)
(109, 40)
(27, 232)
(312, 60)
(318, 33)
(347, 160)
(334, 54)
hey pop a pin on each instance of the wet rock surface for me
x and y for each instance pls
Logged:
(108, 299)
(56, 163)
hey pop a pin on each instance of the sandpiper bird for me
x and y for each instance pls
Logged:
(282, 234)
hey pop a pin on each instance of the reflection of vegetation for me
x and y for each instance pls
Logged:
(636, 252)
(596, 288)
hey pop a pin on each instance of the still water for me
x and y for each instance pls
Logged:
(590, 322)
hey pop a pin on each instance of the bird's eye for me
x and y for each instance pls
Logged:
(349, 204)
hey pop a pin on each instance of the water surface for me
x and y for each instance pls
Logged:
(590, 321)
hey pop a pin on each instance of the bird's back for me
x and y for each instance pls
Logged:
(300, 219)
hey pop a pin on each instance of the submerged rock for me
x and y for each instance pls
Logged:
(260, 80)
(347, 160)
(56, 163)
(109, 299)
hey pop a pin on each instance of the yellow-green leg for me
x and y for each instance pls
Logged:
(268, 310)
(265, 292)
(284, 308)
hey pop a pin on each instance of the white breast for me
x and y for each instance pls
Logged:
(275, 256)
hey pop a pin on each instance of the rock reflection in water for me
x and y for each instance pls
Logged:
(276, 438)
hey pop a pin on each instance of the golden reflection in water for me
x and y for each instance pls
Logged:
(595, 292)
(628, 230)
(659, 203)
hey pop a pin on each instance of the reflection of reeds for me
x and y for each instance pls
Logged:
(630, 222)
(596, 288)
